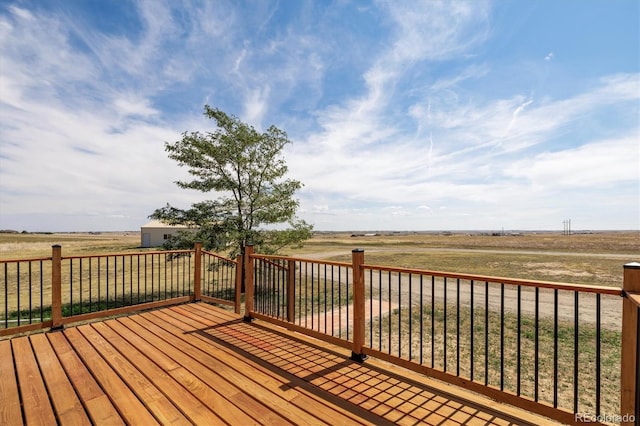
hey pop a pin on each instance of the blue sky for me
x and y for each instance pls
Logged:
(403, 115)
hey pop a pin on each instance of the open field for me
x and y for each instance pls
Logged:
(585, 258)
(594, 258)
(22, 246)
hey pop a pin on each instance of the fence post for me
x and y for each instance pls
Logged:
(197, 273)
(357, 259)
(629, 362)
(56, 287)
(238, 294)
(291, 278)
(248, 282)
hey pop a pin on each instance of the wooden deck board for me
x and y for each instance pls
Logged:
(10, 413)
(195, 395)
(125, 400)
(198, 364)
(241, 379)
(99, 407)
(35, 399)
(147, 392)
(63, 397)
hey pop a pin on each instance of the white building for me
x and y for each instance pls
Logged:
(155, 233)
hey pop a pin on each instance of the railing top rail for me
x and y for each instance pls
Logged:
(634, 297)
(35, 259)
(615, 291)
(300, 259)
(219, 256)
(140, 253)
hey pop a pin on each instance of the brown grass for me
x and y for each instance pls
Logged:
(615, 242)
(596, 258)
(22, 246)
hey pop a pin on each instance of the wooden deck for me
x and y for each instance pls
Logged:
(197, 364)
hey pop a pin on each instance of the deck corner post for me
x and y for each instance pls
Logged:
(629, 398)
(248, 282)
(291, 279)
(197, 273)
(238, 293)
(56, 287)
(357, 259)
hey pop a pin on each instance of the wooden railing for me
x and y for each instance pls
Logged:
(561, 350)
(551, 348)
(54, 291)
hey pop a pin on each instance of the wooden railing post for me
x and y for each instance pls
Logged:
(629, 362)
(238, 295)
(248, 282)
(291, 279)
(56, 287)
(197, 273)
(357, 259)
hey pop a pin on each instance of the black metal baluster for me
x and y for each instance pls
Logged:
(410, 319)
(371, 308)
(433, 324)
(457, 326)
(18, 290)
(333, 283)
(145, 276)
(124, 269)
(501, 336)
(598, 356)
(576, 343)
(325, 298)
(421, 318)
(486, 333)
(107, 277)
(30, 296)
(444, 340)
(555, 348)
(80, 285)
(399, 315)
(339, 301)
(6, 295)
(70, 287)
(138, 280)
(471, 361)
(519, 342)
(390, 314)
(380, 311)
(131, 279)
(90, 285)
(41, 295)
(536, 354)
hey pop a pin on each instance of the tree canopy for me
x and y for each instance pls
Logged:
(247, 172)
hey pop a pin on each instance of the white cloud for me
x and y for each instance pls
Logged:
(598, 164)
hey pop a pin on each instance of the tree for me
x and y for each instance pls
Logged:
(247, 172)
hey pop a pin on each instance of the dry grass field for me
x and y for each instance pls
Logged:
(589, 258)
(23, 246)
(582, 258)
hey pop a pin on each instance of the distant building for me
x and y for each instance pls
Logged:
(155, 233)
